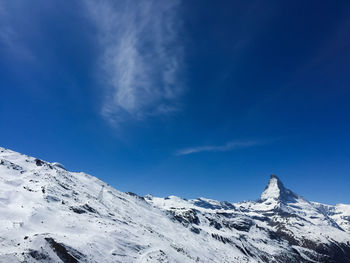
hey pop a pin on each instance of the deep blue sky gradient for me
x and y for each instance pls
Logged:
(271, 71)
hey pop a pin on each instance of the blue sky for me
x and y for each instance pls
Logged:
(189, 98)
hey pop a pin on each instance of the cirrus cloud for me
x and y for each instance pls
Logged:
(229, 146)
(141, 56)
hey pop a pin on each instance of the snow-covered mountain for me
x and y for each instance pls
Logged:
(48, 214)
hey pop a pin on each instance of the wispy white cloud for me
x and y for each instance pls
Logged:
(229, 146)
(141, 56)
(10, 31)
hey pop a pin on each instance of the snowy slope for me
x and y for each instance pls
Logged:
(48, 214)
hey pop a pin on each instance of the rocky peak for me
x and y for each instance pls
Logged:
(275, 190)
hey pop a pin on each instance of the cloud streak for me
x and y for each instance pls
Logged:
(141, 56)
(11, 31)
(229, 146)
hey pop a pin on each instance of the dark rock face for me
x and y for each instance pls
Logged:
(195, 230)
(61, 251)
(38, 255)
(240, 226)
(214, 223)
(77, 210)
(141, 198)
(39, 162)
(186, 217)
(221, 238)
(89, 209)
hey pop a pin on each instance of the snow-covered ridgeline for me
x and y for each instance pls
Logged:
(49, 214)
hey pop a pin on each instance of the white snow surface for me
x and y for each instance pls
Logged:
(42, 205)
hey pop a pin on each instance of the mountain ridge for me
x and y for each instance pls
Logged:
(52, 215)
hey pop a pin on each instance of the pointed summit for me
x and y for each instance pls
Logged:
(275, 190)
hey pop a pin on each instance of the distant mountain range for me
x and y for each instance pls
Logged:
(48, 214)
